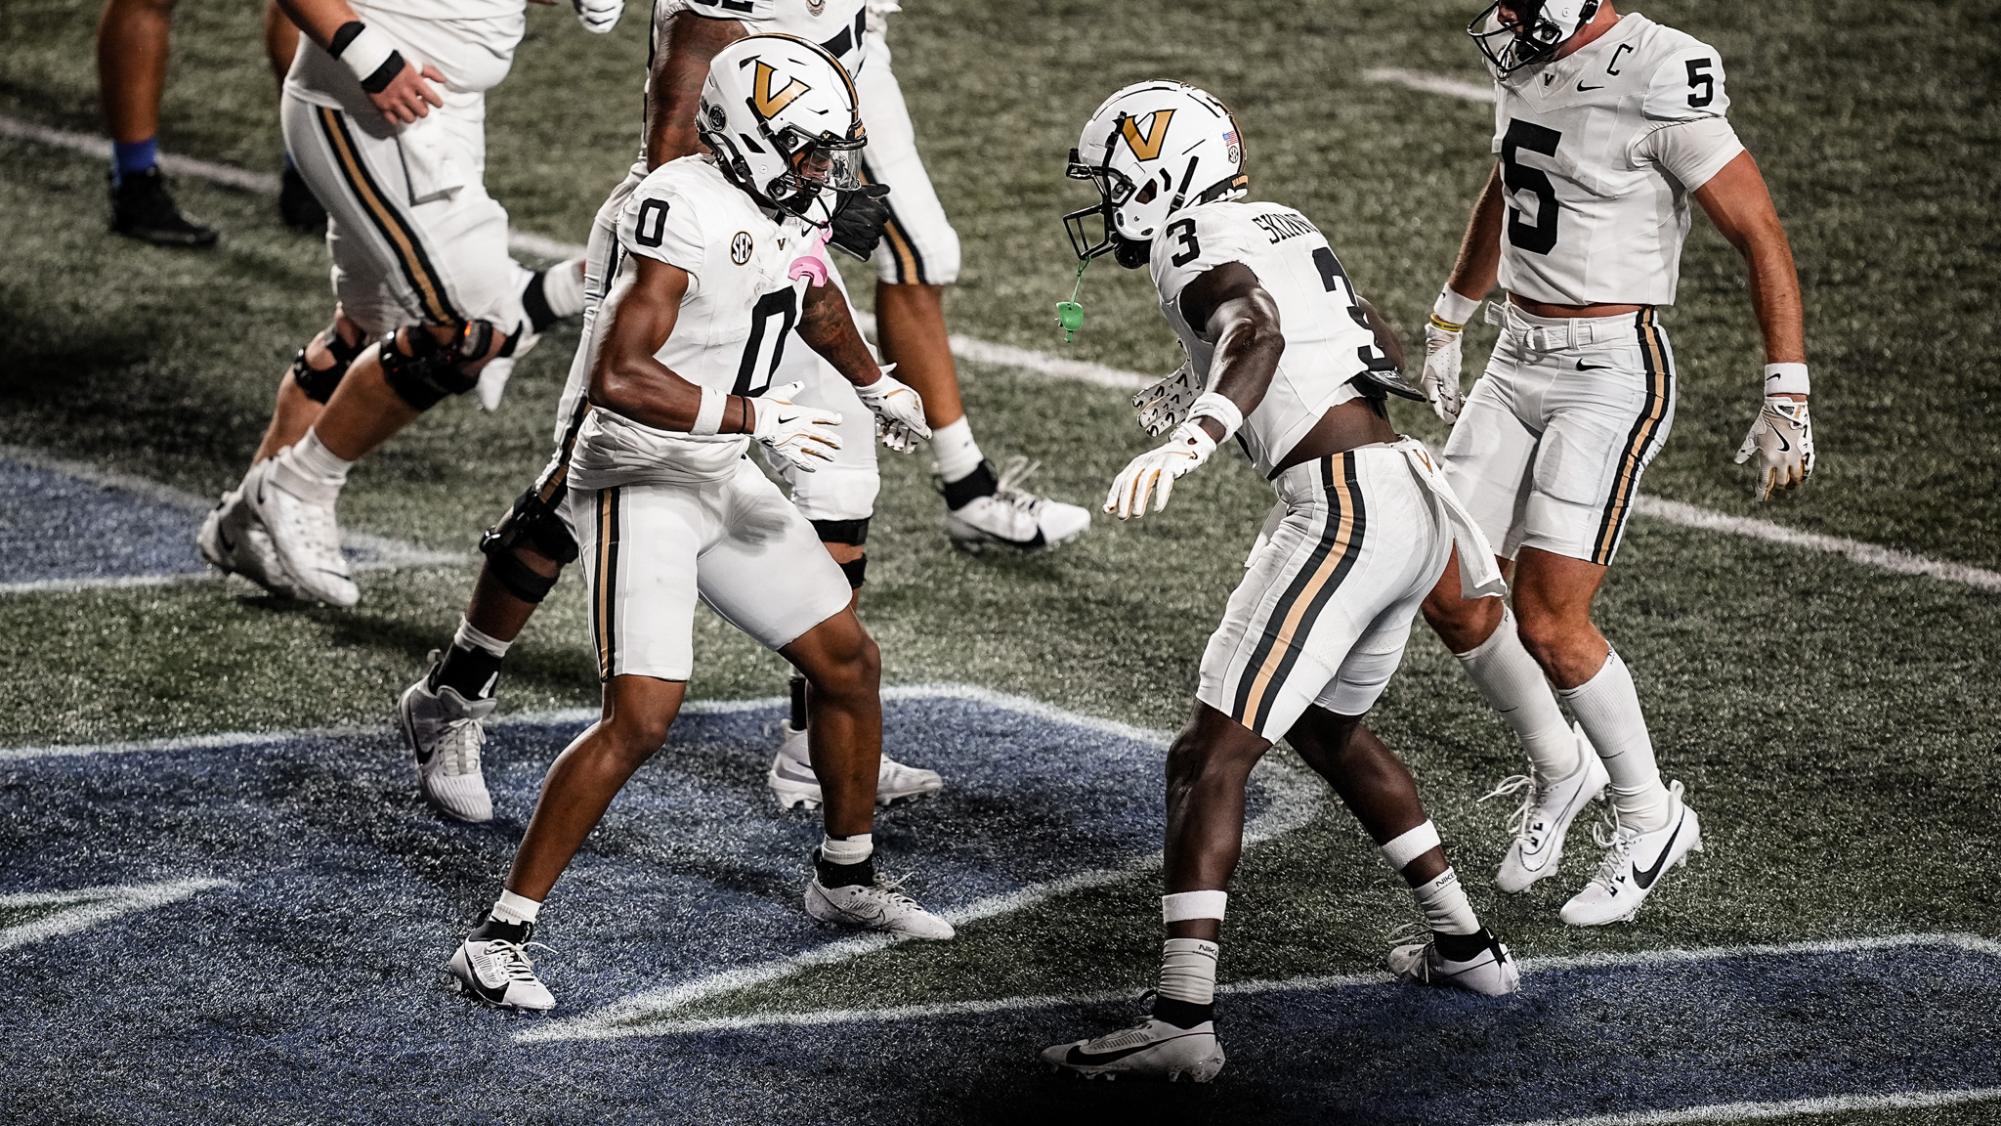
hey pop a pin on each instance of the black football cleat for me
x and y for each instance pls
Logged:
(298, 206)
(142, 208)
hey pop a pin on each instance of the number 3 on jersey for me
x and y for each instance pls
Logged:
(1538, 237)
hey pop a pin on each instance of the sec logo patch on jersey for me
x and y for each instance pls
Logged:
(740, 248)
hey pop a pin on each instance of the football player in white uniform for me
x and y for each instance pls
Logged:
(443, 714)
(1605, 126)
(1289, 360)
(676, 378)
(384, 116)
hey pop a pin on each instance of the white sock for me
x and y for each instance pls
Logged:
(517, 909)
(1188, 970)
(1513, 685)
(953, 450)
(847, 850)
(1444, 904)
(1608, 708)
(469, 637)
(563, 288)
(311, 459)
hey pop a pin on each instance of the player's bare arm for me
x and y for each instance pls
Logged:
(675, 88)
(1473, 276)
(400, 92)
(828, 326)
(1237, 313)
(1738, 202)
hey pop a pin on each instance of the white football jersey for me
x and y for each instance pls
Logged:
(837, 25)
(1328, 343)
(1597, 162)
(735, 323)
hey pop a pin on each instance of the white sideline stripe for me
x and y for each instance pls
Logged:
(96, 905)
(390, 553)
(816, 1017)
(1432, 83)
(1788, 1108)
(986, 352)
(1293, 802)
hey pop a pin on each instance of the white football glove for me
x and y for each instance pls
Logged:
(1782, 437)
(1164, 406)
(899, 411)
(1441, 371)
(598, 16)
(803, 436)
(1154, 472)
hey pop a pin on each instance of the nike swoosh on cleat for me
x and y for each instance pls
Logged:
(1645, 880)
(1079, 1057)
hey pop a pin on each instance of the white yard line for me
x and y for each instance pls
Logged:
(1043, 364)
(1432, 83)
(1785, 1108)
(82, 908)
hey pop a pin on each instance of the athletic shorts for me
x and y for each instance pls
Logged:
(649, 551)
(1350, 550)
(1552, 440)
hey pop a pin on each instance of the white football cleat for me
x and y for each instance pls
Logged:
(1011, 516)
(1635, 863)
(299, 516)
(879, 906)
(1492, 972)
(497, 971)
(1153, 1049)
(1544, 818)
(233, 542)
(793, 783)
(446, 732)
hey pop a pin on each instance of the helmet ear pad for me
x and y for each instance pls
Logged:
(1132, 254)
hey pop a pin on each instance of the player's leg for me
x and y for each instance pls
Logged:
(768, 575)
(640, 546)
(1489, 462)
(297, 205)
(1606, 424)
(132, 49)
(918, 257)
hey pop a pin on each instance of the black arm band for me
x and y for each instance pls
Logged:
(343, 35)
(384, 74)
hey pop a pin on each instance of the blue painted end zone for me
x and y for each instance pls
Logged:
(56, 526)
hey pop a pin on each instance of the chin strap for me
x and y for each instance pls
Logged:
(1069, 314)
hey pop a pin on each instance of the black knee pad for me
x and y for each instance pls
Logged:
(853, 532)
(430, 371)
(855, 569)
(319, 383)
(537, 524)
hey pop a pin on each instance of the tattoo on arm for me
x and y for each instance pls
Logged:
(829, 329)
(675, 88)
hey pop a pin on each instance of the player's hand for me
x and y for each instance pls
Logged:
(1153, 473)
(803, 436)
(899, 412)
(1782, 440)
(1441, 371)
(409, 94)
(1164, 406)
(858, 220)
(598, 16)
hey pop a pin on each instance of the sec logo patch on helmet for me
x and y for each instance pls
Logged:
(740, 248)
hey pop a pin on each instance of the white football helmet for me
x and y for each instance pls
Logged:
(782, 118)
(1528, 31)
(1150, 150)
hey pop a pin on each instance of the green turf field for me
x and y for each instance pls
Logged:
(1834, 722)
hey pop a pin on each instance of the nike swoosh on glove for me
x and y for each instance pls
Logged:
(1154, 472)
(1782, 439)
(803, 436)
(598, 16)
(899, 411)
(858, 221)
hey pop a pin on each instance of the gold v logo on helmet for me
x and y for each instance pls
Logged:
(766, 103)
(1147, 147)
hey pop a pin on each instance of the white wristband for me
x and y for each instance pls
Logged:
(1452, 312)
(366, 52)
(1182, 906)
(709, 419)
(1209, 404)
(1786, 379)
